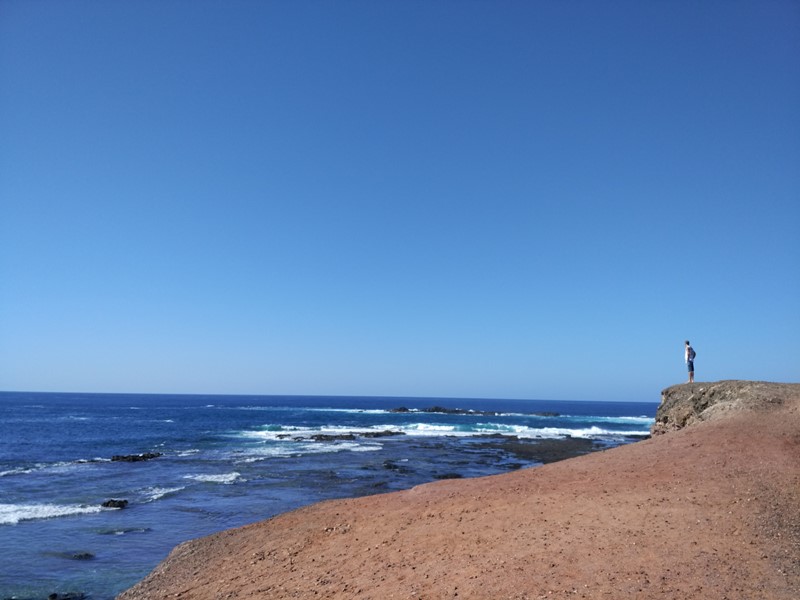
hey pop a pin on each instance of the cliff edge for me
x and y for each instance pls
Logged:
(691, 403)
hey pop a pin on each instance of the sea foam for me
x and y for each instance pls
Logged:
(156, 493)
(289, 434)
(11, 514)
(224, 478)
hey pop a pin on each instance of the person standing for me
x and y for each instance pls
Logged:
(688, 356)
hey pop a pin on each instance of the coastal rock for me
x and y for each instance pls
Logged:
(335, 437)
(113, 503)
(379, 434)
(135, 457)
(690, 403)
(326, 437)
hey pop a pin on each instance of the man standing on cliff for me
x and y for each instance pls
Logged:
(688, 356)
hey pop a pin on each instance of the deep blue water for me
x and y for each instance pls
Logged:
(227, 461)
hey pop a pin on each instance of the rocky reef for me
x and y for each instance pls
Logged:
(687, 404)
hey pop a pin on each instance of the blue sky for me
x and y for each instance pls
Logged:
(482, 199)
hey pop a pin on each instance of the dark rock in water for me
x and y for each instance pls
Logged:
(463, 411)
(393, 466)
(498, 436)
(325, 437)
(449, 411)
(114, 503)
(377, 434)
(328, 437)
(546, 450)
(460, 411)
(135, 457)
(82, 556)
(449, 476)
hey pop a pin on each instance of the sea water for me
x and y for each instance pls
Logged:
(225, 461)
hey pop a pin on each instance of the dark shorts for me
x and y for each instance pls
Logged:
(690, 364)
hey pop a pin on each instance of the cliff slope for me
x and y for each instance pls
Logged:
(709, 511)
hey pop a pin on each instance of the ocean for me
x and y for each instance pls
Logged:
(191, 465)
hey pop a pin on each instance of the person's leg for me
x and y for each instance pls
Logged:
(691, 372)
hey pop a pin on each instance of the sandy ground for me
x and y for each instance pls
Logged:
(708, 512)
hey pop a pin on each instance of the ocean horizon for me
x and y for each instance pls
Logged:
(188, 465)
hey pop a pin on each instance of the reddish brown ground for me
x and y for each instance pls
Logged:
(707, 512)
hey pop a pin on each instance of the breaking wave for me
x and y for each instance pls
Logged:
(11, 514)
(223, 478)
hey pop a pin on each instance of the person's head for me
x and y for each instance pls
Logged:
(687, 343)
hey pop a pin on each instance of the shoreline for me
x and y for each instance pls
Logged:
(711, 510)
(189, 469)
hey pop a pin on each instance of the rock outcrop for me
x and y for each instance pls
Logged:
(690, 403)
(135, 457)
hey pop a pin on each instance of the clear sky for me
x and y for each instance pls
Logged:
(480, 198)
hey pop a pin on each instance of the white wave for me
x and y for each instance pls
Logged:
(156, 493)
(642, 419)
(282, 451)
(294, 435)
(223, 478)
(189, 452)
(588, 432)
(56, 467)
(353, 447)
(620, 420)
(62, 466)
(17, 471)
(522, 431)
(426, 429)
(11, 514)
(296, 447)
(259, 456)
